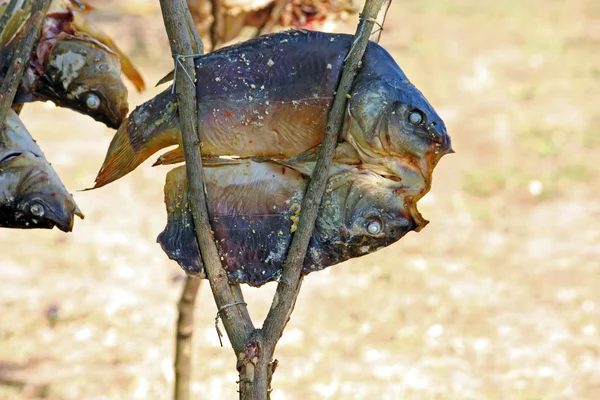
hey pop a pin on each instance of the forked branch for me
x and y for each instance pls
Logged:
(255, 348)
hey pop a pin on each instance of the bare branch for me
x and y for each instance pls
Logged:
(217, 28)
(26, 39)
(235, 319)
(289, 285)
(183, 343)
(274, 16)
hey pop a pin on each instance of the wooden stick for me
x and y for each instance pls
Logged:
(274, 16)
(183, 343)
(26, 39)
(217, 28)
(187, 302)
(236, 319)
(291, 279)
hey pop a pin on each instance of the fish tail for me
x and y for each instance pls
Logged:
(178, 240)
(149, 128)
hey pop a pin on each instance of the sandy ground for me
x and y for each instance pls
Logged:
(498, 298)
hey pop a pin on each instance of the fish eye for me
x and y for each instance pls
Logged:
(416, 117)
(37, 209)
(92, 101)
(374, 227)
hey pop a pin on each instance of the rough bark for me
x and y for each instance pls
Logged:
(236, 318)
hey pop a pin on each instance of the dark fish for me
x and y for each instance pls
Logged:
(270, 97)
(69, 68)
(31, 193)
(84, 75)
(254, 208)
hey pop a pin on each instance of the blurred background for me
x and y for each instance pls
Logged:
(498, 298)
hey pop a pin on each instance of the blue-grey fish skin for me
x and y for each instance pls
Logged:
(270, 97)
(253, 223)
(31, 193)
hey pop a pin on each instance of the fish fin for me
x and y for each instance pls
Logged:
(223, 161)
(345, 158)
(309, 155)
(82, 25)
(170, 157)
(178, 239)
(151, 127)
(167, 78)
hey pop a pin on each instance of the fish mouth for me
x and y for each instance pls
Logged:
(440, 137)
(64, 217)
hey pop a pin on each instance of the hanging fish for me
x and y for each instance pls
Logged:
(270, 97)
(31, 193)
(74, 64)
(254, 208)
(82, 74)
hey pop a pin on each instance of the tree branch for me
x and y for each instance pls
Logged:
(26, 39)
(217, 27)
(183, 343)
(291, 279)
(255, 348)
(235, 319)
(274, 16)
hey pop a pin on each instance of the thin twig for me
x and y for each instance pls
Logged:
(183, 343)
(291, 279)
(274, 16)
(26, 39)
(187, 301)
(236, 320)
(217, 28)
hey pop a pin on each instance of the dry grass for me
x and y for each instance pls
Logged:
(498, 298)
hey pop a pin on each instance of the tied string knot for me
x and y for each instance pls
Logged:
(373, 20)
(219, 316)
(178, 59)
(361, 32)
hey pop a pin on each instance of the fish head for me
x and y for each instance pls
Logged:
(392, 125)
(361, 213)
(32, 195)
(83, 74)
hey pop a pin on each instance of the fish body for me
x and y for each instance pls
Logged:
(31, 193)
(254, 208)
(270, 97)
(72, 66)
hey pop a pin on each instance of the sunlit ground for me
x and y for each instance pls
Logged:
(498, 298)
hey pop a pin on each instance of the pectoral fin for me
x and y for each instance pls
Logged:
(178, 240)
(170, 157)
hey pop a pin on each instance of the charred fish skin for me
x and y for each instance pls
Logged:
(360, 213)
(31, 193)
(270, 97)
